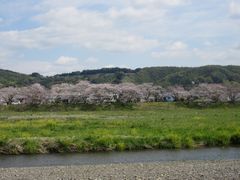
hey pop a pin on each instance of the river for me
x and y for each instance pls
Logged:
(119, 157)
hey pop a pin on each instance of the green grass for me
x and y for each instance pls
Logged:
(147, 126)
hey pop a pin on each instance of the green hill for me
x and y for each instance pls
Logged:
(9, 78)
(186, 76)
(164, 76)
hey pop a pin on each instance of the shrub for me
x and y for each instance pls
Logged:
(68, 145)
(217, 140)
(172, 141)
(235, 139)
(223, 139)
(188, 142)
(31, 146)
(121, 146)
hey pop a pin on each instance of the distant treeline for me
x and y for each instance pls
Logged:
(164, 76)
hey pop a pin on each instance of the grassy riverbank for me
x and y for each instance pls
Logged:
(147, 126)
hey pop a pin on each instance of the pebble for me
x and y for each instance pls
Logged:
(227, 169)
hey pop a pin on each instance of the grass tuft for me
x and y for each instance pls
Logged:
(31, 146)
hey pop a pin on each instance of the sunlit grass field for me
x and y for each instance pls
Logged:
(146, 126)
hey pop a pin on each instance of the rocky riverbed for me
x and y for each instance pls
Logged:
(227, 169)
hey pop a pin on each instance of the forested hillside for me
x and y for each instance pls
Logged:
(163, 76)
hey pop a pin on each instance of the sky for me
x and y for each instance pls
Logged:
(58, 36)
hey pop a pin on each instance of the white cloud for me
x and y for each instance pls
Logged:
(128, 12)
(234, 8)
(208, 43)
(177, 46)
(173, 55)
(138, 14)
(142, 10)
(199, 56)
(109, 66)
(64, 60)
(52, 4)
(132, 27)
(179, 51)
(159, 3)
(59, 3)
(63, 64)
(79, 3)
(176, 50)
(237, 47)
(92, 60)
(28, 67)
(77, 28)
(75, 17)
(5, 54)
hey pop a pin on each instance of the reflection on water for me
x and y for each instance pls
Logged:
(118, 157)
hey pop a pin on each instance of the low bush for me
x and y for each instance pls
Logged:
(235, 139)
(31, 146)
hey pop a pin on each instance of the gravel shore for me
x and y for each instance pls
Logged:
(229, 169)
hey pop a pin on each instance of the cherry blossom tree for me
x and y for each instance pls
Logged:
(7, 95)
(179, 92)
(209, 93)
(233, 92)
(35, 94)
(85, 92)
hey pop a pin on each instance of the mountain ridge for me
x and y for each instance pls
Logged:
(165, 76)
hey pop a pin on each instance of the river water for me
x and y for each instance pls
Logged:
(118, 157)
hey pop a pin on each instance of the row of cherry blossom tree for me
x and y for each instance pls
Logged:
(87, 93)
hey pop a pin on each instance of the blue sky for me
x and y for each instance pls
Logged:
(56, 36)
